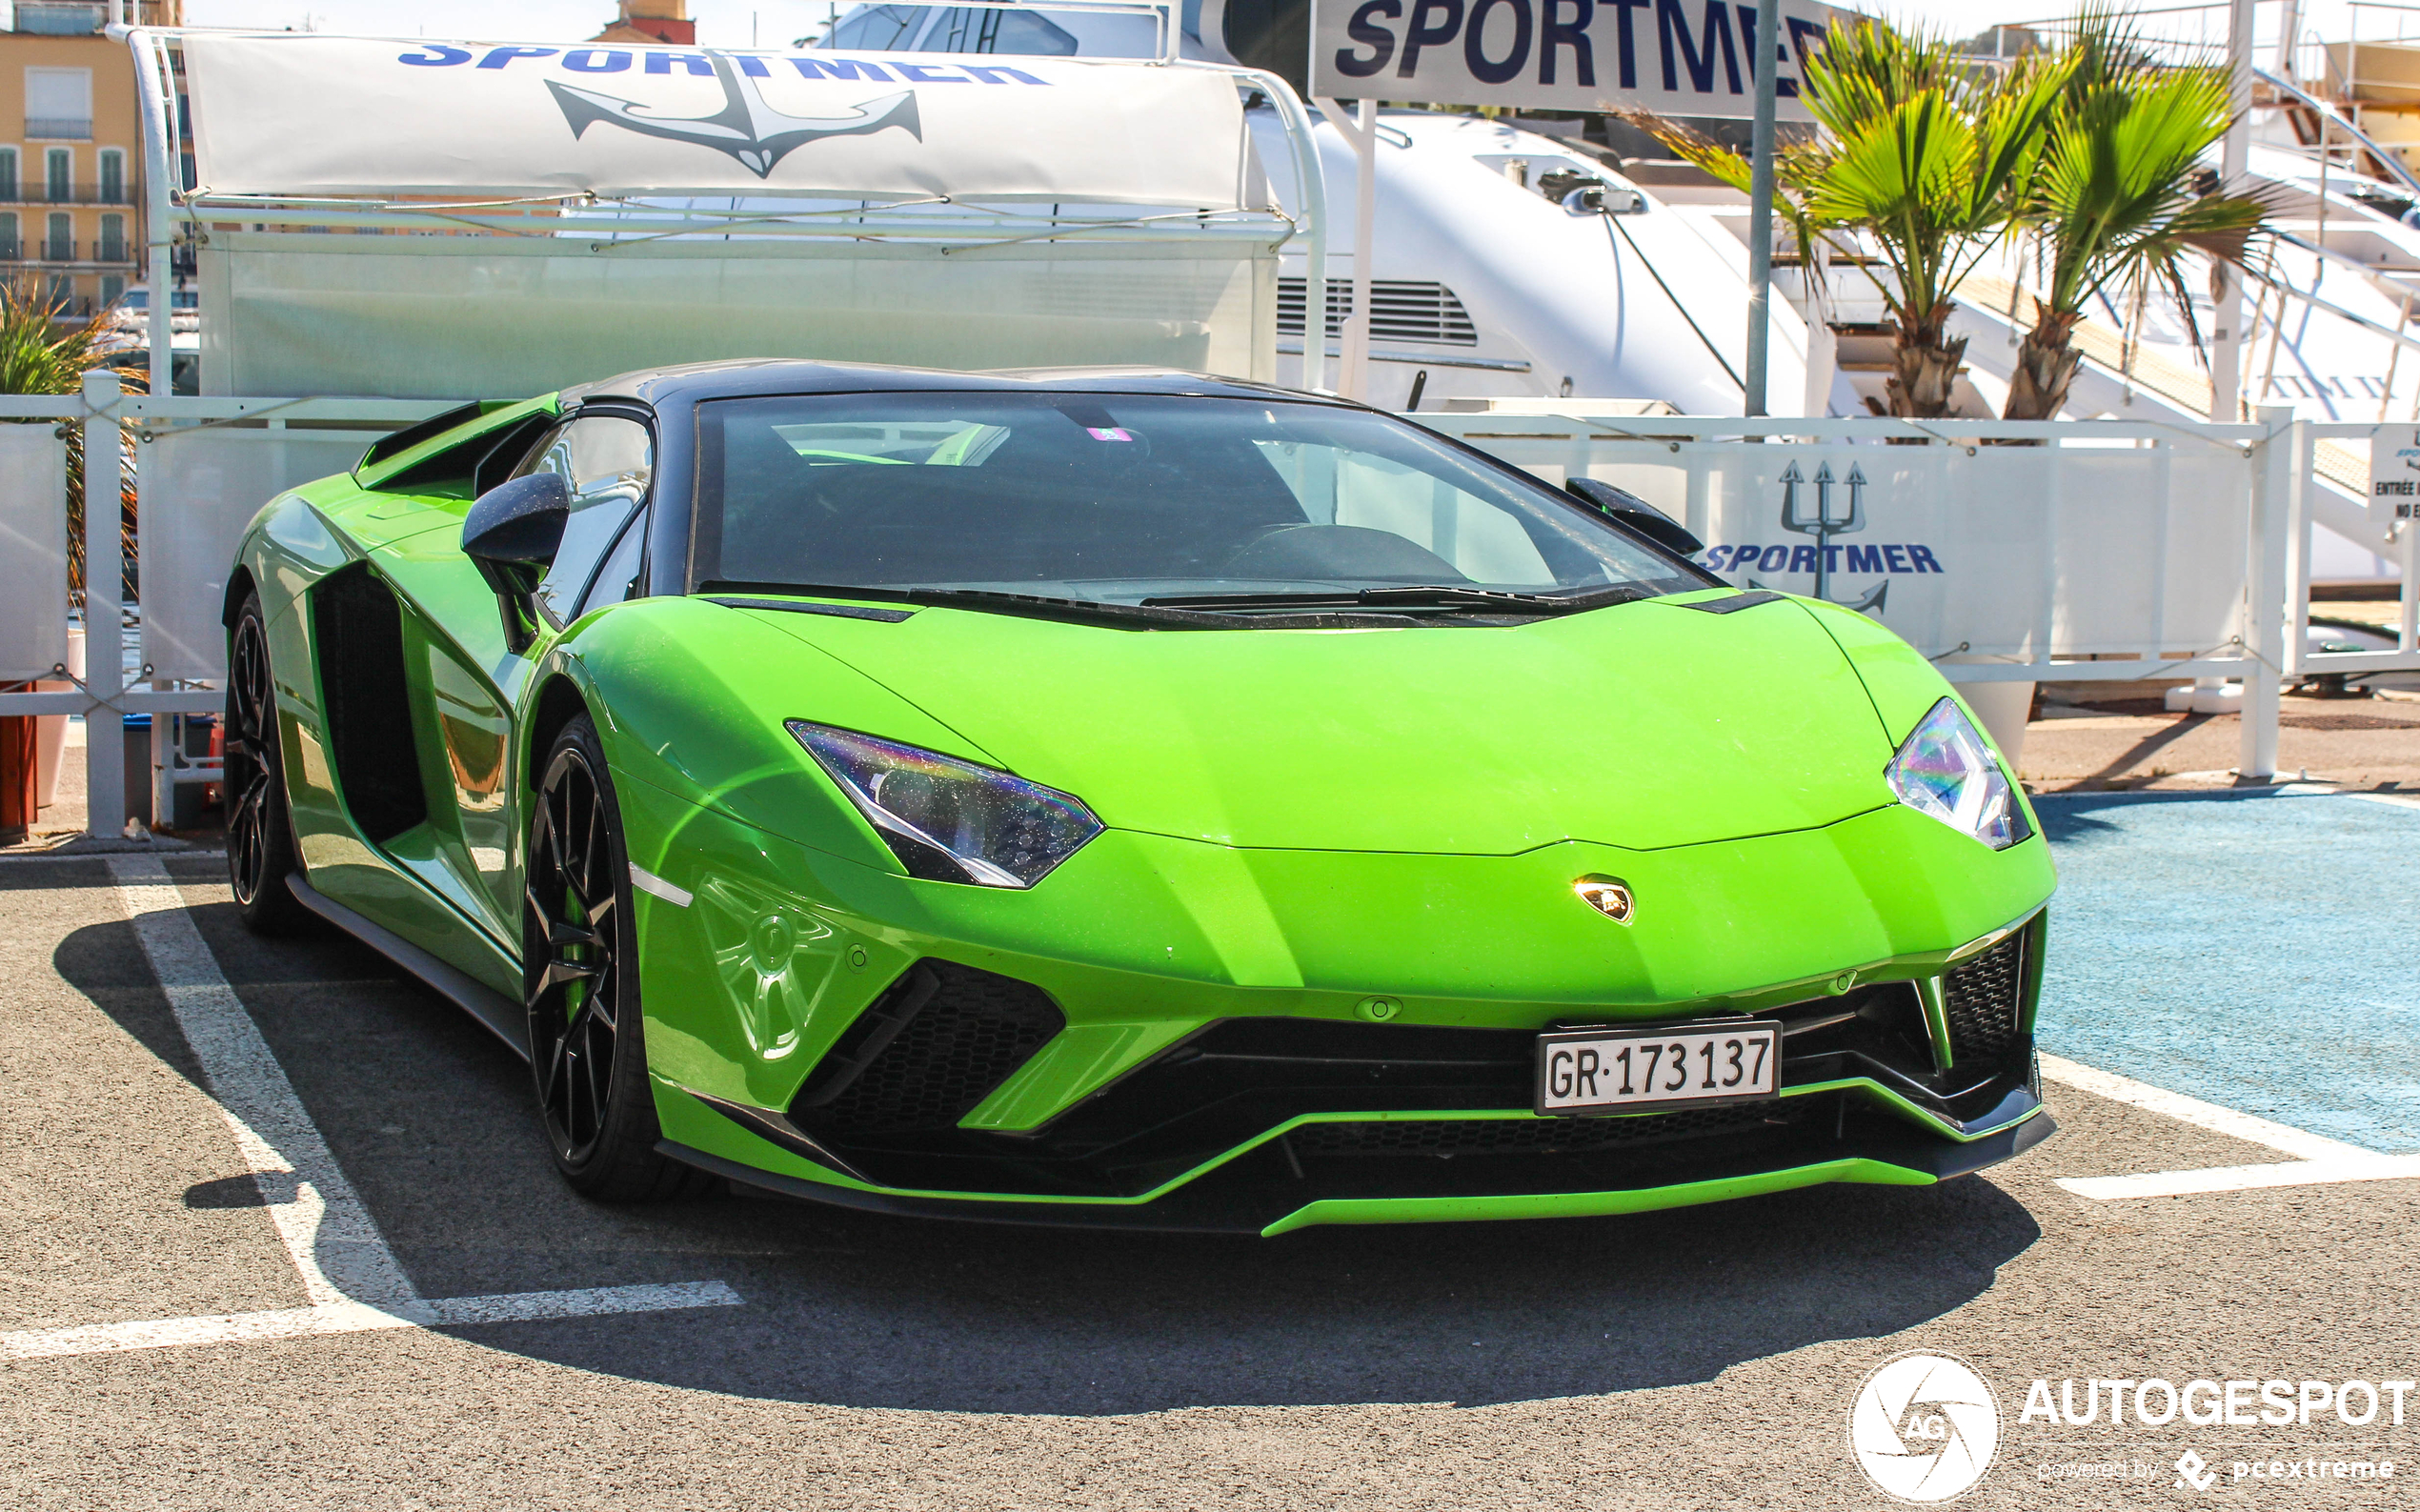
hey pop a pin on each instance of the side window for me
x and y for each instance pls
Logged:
(607, 461)
(620, 575)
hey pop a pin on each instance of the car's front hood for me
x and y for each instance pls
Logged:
(1642, 725)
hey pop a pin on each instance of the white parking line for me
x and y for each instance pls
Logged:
(348, 1271)
(355, 1317)
(2321, 1160)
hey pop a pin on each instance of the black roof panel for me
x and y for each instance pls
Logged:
(745, 377)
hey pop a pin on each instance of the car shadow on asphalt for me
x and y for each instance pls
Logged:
(431, 1120)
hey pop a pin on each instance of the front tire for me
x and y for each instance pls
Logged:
(579, 953)
(261, 829)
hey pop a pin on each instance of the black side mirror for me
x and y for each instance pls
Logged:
(511, 536)
(1632, 513)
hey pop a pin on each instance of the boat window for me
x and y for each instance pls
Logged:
(879, 28)
(1121, 498)
(965, 28)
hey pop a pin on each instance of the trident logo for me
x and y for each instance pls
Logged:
(1824, 525)
(746, 126)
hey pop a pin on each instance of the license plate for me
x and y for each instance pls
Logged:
(1586, 1070)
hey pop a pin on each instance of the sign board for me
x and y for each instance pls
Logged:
(1673, 57)
(480, 118)
(2394, 475)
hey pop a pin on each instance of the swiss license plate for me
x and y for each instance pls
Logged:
(1584, 1071)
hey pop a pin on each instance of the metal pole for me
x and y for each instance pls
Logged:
(2283, 463)
(2226, 325)
(161, 175)
(1762, 55)
(104, 638)
(1357, 331)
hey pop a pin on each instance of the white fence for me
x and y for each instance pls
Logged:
(2095, 551)
(2005, 550)
(203, 468)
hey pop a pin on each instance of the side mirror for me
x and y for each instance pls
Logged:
(511, 536)
(1633, 514)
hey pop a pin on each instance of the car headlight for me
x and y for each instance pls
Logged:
(949, 821)
(1945, 768)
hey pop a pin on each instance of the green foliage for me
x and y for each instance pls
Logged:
(2112, 198)
(36, 355)
(2092, 152)
(40, 355)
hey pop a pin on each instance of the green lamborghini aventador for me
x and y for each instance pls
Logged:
(1124, 797)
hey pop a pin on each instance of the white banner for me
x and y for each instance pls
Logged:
(1673, 57)
(482, 119)
(200, 490)
(2394, 475)
(33, 550)
(1982, 551)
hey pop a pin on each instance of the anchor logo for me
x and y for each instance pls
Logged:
(746, 127)
(1824, 525)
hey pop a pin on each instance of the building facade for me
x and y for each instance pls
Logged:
(71, 153)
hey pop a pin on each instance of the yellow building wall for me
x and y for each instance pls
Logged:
(93, 268)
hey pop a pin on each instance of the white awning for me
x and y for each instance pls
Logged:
(302, 116)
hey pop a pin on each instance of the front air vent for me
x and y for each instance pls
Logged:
(1984, 998)
(1451, 1136)
(926, 1052)
(1401, 310)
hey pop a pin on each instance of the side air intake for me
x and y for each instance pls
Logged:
(926, 1052)
(357, 629)
(1984, 998)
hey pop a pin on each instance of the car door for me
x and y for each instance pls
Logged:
(607, 461)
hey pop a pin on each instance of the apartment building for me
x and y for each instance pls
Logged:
(72, 151)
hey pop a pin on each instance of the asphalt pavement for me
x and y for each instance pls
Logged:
(805, 1358)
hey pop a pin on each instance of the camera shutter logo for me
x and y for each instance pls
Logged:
(1923, 1427)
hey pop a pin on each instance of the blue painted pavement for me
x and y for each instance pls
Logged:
(2254, 950)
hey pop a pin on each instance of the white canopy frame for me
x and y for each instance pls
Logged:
(936, 220)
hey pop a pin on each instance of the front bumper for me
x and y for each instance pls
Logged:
(1265, 1190)
(1170, 1034)
(1267, 1125)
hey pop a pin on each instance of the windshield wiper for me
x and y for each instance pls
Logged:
(1080, 611)
(1425, 595)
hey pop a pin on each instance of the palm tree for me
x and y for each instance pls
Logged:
(39, 356)
(1923, 152)
(2112, 198)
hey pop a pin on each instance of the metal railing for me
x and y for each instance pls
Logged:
(37, 192)
(2402, 549)
(58, 129)
(2222, 520)
(2058, 534)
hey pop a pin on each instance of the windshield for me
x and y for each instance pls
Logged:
(1133, 500)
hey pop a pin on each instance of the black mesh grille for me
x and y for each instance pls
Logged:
(928, 1052)
(1530, 1135)
(1983, 998)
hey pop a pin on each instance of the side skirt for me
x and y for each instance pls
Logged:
(496, 1013)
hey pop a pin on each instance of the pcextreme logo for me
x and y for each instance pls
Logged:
(1923, 1427)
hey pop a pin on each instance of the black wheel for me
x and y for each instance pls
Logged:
(580, 981)
(260, 831)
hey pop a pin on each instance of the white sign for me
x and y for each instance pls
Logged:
(1673, 57)
(2394, 475)
(477, 118)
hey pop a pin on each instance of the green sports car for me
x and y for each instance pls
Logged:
(1124, 797)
